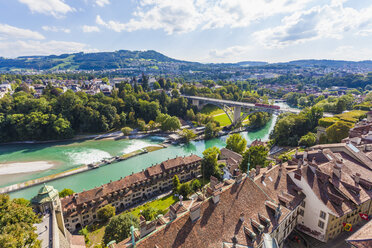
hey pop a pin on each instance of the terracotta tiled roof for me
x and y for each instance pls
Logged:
(226, 153)
(219, 223)
(279, 186)
(363, 237)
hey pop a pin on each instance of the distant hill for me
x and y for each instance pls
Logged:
(88, 61)
(154, 62)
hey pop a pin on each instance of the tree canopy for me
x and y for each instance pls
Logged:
(209, 163)
(118, 228)
(255, 155)
(236, 143)
(16, 224)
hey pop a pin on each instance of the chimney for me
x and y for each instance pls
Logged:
(305, 154)
(296, 154)
(213, 182)
(263, 177)
(357, 177)
(195, 212)
(254, 172)
(239, 178)
(258, 169)
(299, 164)
(241, 218)
(172, 212)
(216, 196)
(146, 227)
(337, 171)
(278, 212)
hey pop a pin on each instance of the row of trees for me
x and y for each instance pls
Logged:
(57, 115)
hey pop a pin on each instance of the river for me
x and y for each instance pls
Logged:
(50, 158)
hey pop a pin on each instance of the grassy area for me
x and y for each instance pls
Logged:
(161, 204)
(210, 109)
(96, 232)
(352, 116)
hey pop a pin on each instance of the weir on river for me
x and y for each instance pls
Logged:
(67, 155)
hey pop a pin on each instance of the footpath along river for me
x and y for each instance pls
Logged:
(22, 162)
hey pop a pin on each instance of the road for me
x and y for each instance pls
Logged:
(44, 231)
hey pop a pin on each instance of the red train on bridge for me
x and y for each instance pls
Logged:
(267, 106)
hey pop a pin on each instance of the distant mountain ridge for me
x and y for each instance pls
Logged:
(149, 60)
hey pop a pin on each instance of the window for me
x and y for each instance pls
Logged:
(301, 212)
(321, 224)
(322, 215)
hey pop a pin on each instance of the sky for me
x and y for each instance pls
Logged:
(193, 30)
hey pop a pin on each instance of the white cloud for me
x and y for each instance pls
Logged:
(187, 15)
(18, 48)
(11, 32)
(102, 3)
(90, 29)
(56, 8)
(229, 52)
(56, 29)
(113, 25)
(332, 21)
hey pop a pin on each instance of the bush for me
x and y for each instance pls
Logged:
(327, 121)
(338, 131)
(308, 140)
(65, 192)
(185, 190)
(106, 212)
(195, 185)
(126, 131)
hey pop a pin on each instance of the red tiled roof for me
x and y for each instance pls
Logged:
(218, 223)
(363, 237)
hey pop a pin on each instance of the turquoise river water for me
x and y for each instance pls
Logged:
(21, 162)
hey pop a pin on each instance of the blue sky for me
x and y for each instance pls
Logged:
(195, 30)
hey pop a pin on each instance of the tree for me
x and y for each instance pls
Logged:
(195, 185)
(185, 190)
(65, 192)
(190, 114)
(176, 183)
(187, 135)
(156, 86)
(308, 140)
(338, 131)
(126, 131)
(167, 122)
(236, 143)
(211, 130)
(106, 212)
(141, 125)
(255, 155)
(17, 221)
(209, 163)
(118, 228)
(150, 213)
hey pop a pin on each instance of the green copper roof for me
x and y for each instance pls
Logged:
(46, 194)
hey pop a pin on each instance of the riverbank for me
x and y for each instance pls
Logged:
(77, 170)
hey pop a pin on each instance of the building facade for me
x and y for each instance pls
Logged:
(80, 209)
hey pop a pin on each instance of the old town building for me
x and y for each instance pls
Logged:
(249, 211)
(337, 182)
(80, 209)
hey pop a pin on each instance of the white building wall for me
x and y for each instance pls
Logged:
(312, 209)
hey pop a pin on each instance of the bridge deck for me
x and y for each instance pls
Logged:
(245, 104)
